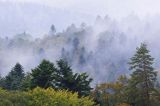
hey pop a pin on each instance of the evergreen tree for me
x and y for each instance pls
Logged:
(143, 78)
(42, 75)
(82, 84)
(66, 79)
(76, 43)
(26, 83)
(52, 30)
(13, 81)
(2, 82)
(61, 77)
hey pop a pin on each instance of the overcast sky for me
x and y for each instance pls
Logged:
(115, 8)
(36, 20)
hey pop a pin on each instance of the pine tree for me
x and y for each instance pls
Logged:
(66, 79)
(26, 83)
(82, 84)
(42, 75)
(13, 81)
(143, 78)
(52, 30)
(2, 82)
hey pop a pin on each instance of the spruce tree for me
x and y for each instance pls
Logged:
(82, 84)
(60, 77)
(43, 75)
(13, 81)
(143, 78)
(66, 79)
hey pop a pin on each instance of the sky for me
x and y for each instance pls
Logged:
(17, 18)
(115, 8)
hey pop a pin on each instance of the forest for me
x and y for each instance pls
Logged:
(56, 84)
(79, 53)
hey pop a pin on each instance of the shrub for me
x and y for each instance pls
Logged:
(43, 97)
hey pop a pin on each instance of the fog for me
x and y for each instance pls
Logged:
(102, 50)
(35, 16)
(101, 45)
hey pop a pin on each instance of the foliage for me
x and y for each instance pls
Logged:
(47, 75)
(13, 81)
(143, 78)
(58, 85)
(82, 84)
(110, 94)
(66, 79)
(64, 76)
(27, 82)
(13, 98)
(43, 97)
(42, 75)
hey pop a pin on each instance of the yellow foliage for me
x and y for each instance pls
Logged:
(43, 97)
(110, 93)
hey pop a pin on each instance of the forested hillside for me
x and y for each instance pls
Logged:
(102, 50)
(59, 85)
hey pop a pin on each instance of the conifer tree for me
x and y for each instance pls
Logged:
(66, 79)
(60, 77)
(143, 76)
(13, 81)
(42, 75)
(64, 75)
(82, 84)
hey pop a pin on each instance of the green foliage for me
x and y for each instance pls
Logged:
(42, 75)
(27, 82)
(43, 97)
(64, 76)
(49, 85)
(13, 98)
(47, 75)
(13, 81)
(82, 84)
(60, 77)
(2, 82)
(66, 79)
(143, 78)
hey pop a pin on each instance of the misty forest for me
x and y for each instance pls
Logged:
(107, 63)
